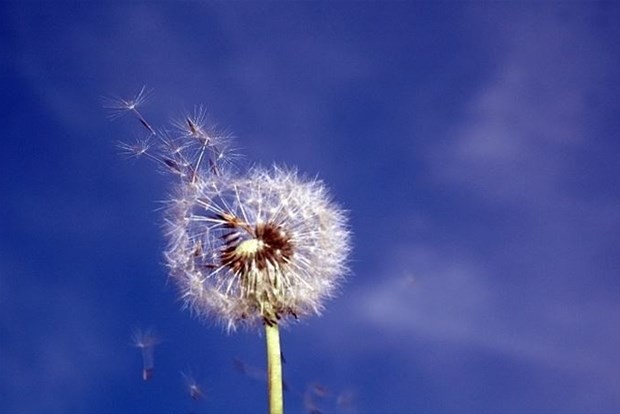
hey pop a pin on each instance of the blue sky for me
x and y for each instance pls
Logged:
(475, 144)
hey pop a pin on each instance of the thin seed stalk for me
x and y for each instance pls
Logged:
(274, 369)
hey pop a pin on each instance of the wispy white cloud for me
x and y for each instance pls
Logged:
(541, 294)
(518, 150)
(523, 129)
(451, 299)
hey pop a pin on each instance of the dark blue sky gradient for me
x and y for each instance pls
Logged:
(475, 144)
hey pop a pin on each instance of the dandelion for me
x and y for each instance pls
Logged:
(146, 341)
(250, 249)
(256, 250)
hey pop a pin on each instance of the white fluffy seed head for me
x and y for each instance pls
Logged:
(262, 247)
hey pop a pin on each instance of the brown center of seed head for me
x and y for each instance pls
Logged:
(270, 245)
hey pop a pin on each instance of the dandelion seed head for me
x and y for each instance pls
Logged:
(277, 247)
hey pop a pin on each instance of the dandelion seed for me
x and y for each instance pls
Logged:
(119, 106)
(254, 372)
(313, 391)
(195, 124)
(346, 399)
(249, 370)
(138, 148)
(319, 390)
(146, 341)
(199, 144)
(193, 389)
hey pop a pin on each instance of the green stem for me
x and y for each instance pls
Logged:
(274, 369)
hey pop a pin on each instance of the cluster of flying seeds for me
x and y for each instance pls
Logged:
(146, 341)
(245, 247)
